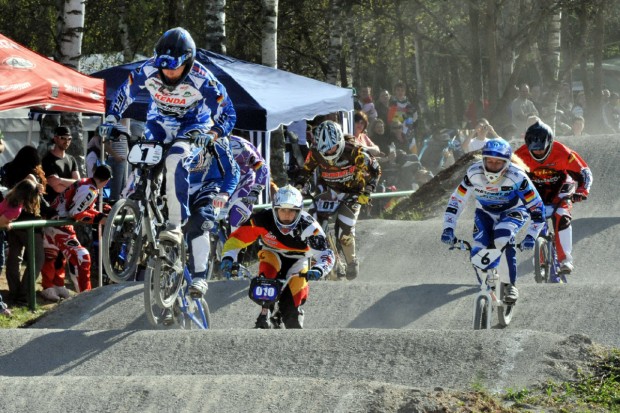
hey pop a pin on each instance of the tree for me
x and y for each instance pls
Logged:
(215, 30)
(270, 33)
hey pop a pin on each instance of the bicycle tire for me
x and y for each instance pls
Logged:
(212, 259)
(151, 308)
(121, 244)
(168, 278)
(506, 310)
(196, 306)
(482, 318)
(338, 271)
(542, 261)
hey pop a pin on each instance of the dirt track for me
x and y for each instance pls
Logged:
(383, 342)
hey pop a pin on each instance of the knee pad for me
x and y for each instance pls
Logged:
(563, 222)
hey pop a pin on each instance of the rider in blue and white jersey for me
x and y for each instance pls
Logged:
(186, 100)
(505, 199)
(213, 176)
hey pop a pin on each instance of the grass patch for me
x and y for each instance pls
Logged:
(23, 317)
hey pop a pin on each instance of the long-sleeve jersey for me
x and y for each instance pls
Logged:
(199, 98)
(514, 190)
(78, 202)
(306, 240)
(549, 175)
(204, 168)
(352, 173)
(250, 161)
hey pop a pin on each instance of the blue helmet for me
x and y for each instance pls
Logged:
(174, 49)
(539, 137)
(498, 149)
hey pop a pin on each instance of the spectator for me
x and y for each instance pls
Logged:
(118, 150)
(578, 126)
(93, 155)
(61, 169)
(60, 243)
(26, 163)
(368, 107)
(398, 138)
(383, 105)
(378, 134)
(360, 123)
(521, 108)
(579, 108)
(477, 137)
(611, 114)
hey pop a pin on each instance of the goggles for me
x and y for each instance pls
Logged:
(170, 62)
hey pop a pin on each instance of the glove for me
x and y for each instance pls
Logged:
(107, 208)
(528, 243)
(363, 198)
(313, 274)
(579, 196)
(226, 266)
(203, 140)
(447, 236)
(252, 197)
(220, 200)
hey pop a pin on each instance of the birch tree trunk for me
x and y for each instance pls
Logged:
(335, 42)
(551, 68)
(594, 108)
(123, 31)
(270, 33)
(215, 36)
(71, 29)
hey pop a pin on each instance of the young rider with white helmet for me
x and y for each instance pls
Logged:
(505, 199)
(289, 236)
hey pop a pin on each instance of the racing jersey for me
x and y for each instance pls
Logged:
(352, 173)
(514, 190)
(204, 168)
(306, 240)
(250, 161)
(562, 165)
(78, 202)
(199, 99)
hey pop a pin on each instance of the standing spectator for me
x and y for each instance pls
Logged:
(61, 169)
(93, 155)
(578, 126)
(521, 108)
(360, 123)
(611, 114)
(579, 108)
(26, 163)
(383, 106)
(379, 135)
(368, 106)
(118, 150)
(399, 139)
(477, 137)
(60, 243)
(401, 109)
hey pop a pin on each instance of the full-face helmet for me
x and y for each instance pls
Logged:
(327, 136)
(496, 149)
(174, 49)
(539, 137)
(287, 197)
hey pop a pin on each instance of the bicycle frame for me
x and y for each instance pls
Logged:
(546, 264)
(185, 304)
(325, 212)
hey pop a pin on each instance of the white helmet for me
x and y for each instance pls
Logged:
(287, 197)
(328, 135)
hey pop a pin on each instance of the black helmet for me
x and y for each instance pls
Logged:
(539, 137)
(175, 48)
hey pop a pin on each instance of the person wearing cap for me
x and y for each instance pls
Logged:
(60, 243)
(61, 169)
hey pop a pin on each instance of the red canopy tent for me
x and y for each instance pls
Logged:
(29, 80)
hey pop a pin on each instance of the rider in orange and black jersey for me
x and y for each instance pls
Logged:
(346, 173)
(553, 166)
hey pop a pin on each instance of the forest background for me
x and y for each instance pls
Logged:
(450, 53)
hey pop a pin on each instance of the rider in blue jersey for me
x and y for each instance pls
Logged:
(186, 101)
(213, 176)
(506, 198)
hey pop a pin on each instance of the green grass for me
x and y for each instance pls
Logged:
(23, 317)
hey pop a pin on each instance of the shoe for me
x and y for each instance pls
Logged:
(198, 288)
(62, 291)
(167, 317)
(566, 267)
(353, 270)
(512, 294)
(262, 322)
(171, 234)
(50, 294)
(5, 312)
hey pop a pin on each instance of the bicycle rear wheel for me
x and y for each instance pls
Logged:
(122, 241)
(168, 274)
(482, 316)
(154, 313)
(542, 260)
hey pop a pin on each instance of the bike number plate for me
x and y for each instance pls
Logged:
(327, 206)
(264, 290)
(485, 257)
(149, 153)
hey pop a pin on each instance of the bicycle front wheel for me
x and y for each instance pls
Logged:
(168, 274)
(122, 241)
(542, 260)
(154, 313)
(482, 313)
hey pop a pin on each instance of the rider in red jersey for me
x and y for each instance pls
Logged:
(553, 167)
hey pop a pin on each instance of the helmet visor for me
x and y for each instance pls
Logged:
(169, 62)
(535, 143)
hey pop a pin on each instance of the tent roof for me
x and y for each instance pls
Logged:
(28, 79)
(264, 97)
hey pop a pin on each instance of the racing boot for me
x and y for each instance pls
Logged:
(262, 321)
(566, 267)
(294, 319)
(172, 234)
(198, 288)
(347, 242)
(512, 294)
